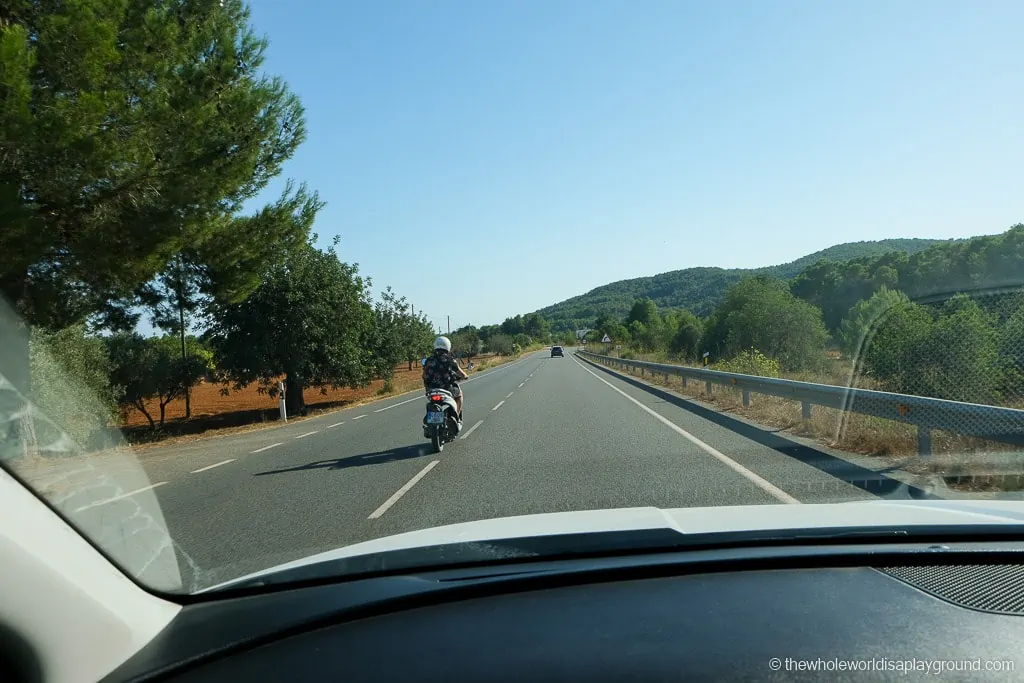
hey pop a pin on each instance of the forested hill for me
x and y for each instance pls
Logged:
(701, 289)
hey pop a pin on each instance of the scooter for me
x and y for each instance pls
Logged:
(441, 423)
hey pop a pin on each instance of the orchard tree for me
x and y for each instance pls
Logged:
(311, 320)
(465, 341)
(151, 368)
(131, 132)
(501, 344)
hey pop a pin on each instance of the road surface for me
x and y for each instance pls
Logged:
(540, 435)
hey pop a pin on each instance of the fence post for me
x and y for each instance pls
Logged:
(746, 398)
(707, 388)
(924, 441)
(280, 393)
(806, 410)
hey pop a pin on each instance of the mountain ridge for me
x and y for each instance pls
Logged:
(700, 288)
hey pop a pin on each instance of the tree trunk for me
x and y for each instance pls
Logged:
(294, 402)
(163, 411)
(181, 331)
(141, 405)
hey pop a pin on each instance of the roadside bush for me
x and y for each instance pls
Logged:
(750, 362)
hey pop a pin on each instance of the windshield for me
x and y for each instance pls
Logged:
(777, 246)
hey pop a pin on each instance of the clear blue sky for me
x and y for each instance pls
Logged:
(489, 158)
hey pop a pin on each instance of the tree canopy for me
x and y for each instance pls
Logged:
(761, 313)
(311, 321)
(133, 132)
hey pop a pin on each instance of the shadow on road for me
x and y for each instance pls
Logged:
(378, 458)
(871, 481)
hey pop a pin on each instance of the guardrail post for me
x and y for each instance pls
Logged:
(746, 398)
(684, 380)
(707, 388)
(641, 372)
(805, 410)
(924, 441)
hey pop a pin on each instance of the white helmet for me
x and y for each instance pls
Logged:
(443, 343)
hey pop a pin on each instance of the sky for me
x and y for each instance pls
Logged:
(487, 158)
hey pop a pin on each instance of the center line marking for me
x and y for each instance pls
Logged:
(303, 436)
(336, 424)
(470, 430)
(497, 406)
(758, 481)
(402, 491)
(210, 467)
(260, 450)
(510, 394)
(360, 417)
(522, 383)
(123, 495)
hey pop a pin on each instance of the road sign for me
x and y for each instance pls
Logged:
(606, 339)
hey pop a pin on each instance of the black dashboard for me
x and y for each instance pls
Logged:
(864, 612)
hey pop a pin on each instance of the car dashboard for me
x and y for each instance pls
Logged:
(828, 612)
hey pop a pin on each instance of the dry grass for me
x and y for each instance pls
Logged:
(852, 432)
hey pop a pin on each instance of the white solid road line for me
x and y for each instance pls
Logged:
(497, 406)
(760, 482)
(359, 417)
(210, 467)
(510, 394)
(402, 491)
(470, 430)
(303, 436)
(336, 424)
(260, 450)
(123, 495)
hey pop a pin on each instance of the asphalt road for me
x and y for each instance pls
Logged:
(540, 435)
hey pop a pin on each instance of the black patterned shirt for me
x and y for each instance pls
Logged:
(441, 371)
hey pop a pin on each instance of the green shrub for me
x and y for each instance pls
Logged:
(70, 383)
(750, 362)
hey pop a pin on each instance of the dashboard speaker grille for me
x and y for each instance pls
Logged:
(995, 588)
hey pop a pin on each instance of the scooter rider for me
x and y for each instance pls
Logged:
(442, 371)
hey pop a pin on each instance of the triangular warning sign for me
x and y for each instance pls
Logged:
(606, 339)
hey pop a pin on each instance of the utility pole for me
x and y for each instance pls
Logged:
(449, 324)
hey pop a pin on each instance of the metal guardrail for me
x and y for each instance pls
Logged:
(1005, 425)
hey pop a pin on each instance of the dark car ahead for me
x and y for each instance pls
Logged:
(557, 351)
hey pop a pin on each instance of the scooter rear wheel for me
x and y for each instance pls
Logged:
(437, 440)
